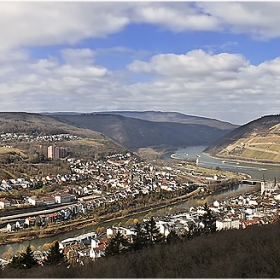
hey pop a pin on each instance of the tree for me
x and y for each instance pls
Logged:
(118, 244)
(172, 237)
(9, 254)
(152, 232)
(55, 256)
(139, 240)
(24, 260)
(28, 260)
(209, 221)
(193, 231)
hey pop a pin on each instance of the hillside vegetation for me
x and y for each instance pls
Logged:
(20, 122)
(249, 253)
(133, 133)
(257, 141)
(23, 157)
(158, 116)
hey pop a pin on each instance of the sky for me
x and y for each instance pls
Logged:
(218, 60)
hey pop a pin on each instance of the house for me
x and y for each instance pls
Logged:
(36, 201)
(42, 220)
(97, 249)
(11, 226)
(48, 200)
(71, 252)
(268, 187)
(247, 223)
(4, 203)
(128, 232)
(64, 197)
(30, 221)
(227, 223)
(52, 218)
(20, 224)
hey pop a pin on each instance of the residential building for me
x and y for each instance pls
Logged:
(4, 203)
(64, 197)
(57, 152)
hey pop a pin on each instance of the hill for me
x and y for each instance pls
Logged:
(24, 148)
(258, 141)
(21, 122)
(158, 116)
(134, 133)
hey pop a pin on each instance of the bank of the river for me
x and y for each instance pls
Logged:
(256, 170)
(248, 161)
(30, 234)
(85, 222)
(164, 207)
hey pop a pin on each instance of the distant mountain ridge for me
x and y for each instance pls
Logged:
(258, 140)
(38, 124)
(168, 130)
(138, 132)
(159, 116)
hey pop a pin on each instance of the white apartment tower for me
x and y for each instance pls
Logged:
(57, 152)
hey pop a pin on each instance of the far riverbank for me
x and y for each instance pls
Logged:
(255, 170)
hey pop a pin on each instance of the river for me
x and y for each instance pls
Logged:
(41, 241)
(256, 171)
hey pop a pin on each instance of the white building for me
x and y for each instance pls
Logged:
(4, 203)
(64, 197)
(227, 223)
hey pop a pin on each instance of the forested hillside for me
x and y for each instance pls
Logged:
(133, 133)
(158, 116)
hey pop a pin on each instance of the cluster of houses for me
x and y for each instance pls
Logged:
(9, 136)
(93, 184)
(123, 176)
(235, 213)
(117, 178)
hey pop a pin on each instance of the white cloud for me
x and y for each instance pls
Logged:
(193, 64)
(78, 56)
(51, 23)
(260, 19)
(198, 83)
(176, 16)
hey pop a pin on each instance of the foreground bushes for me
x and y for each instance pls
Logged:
(250, 253)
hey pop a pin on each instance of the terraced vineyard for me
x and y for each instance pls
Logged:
(252, 142)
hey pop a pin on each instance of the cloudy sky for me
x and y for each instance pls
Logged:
(213, 59)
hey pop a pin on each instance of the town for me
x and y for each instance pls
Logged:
(120, 180)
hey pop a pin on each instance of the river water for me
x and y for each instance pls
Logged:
(39, 242)
(255, 170)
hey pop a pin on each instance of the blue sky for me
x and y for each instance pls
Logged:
(218, 60)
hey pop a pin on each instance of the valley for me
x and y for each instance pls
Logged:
(92, 163)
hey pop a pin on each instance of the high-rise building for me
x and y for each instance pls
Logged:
(57, 152)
